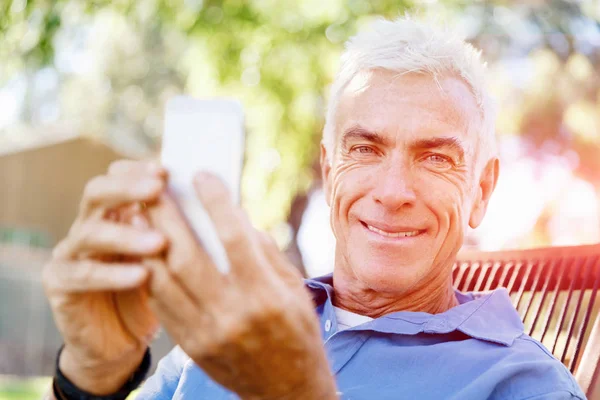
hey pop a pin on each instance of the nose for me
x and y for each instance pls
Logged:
(394, 186)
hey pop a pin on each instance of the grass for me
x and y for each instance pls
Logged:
(18, 388)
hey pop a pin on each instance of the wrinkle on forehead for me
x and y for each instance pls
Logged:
(445, 101)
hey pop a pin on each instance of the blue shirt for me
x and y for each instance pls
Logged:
(476, 350)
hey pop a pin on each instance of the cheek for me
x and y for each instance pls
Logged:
(450, 235)
(445, 197)
(350, 182)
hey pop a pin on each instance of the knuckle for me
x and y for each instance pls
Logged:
(267, 240)
(241, 216)
(83, 235)
(291, 275)
(48, 277)
(60, 250)
(216, 194)
(235, 235)
(262, 313)
(85, 271)
(160, 282)
(117, 166)
(91, 189)
(147, 187)
(233, 238)
(180, 263)
(156, 284)
(189, 343)
(231, 332)
(71, 244)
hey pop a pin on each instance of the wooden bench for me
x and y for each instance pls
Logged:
(555, 291)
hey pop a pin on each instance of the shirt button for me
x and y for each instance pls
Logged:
(327, 325)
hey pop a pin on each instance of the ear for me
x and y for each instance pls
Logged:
(485, 188)
(326, 172)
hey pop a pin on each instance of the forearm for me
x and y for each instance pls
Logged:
(100, 380)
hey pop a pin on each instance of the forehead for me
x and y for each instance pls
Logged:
(408, 105)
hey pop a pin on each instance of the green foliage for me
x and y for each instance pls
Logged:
(276, 56)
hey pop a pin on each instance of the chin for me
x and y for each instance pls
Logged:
(388, 275)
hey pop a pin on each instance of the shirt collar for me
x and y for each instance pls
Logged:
(488, 316)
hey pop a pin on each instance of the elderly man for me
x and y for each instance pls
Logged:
(408, 164)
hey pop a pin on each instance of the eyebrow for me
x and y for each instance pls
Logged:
(450, 142)
(358, 132)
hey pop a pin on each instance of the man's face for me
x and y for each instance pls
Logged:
(402, 185)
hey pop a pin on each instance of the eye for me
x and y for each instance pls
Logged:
(363, 149)
(439, 160)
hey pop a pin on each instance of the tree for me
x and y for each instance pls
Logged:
(277, 57)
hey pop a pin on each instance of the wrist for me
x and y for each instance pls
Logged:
(99, 378)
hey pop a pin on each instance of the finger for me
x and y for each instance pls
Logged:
(65, 249)
(102, 237)
(90, 275)
(135, 215)
(231, 223)
(140, 321)
(135, 167)
(192, 267)
(111, 191)
(279, 262)
(139, 221)
(112, 215)
(180, 316)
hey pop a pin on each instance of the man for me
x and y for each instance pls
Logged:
(408, 164)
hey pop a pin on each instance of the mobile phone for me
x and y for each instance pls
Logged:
(203, 135)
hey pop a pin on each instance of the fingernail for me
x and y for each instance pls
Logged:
(151, 185)
(202, 177)
(154, 167)
(153, 240)
(133, 274)
(139, 222)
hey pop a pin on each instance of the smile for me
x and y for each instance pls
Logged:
(398, 234)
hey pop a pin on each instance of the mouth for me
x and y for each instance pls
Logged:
(393, 233)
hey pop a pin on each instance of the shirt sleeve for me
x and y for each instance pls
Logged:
(164, 382)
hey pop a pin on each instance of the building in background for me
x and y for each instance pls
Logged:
(41, 183)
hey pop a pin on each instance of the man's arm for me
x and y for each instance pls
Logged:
(162, 384)
(254, 330)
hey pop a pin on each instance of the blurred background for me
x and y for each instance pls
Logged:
(83, 83)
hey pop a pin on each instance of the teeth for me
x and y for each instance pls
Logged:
(392, 234)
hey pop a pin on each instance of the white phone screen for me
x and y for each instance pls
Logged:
(203, 135)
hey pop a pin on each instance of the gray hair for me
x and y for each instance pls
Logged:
(407, 45)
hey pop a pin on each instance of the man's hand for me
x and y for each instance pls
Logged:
(253, 330)
(95, 280)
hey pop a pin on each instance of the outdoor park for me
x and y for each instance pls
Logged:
(85, 83)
